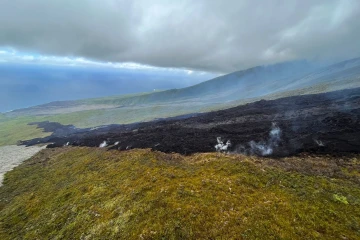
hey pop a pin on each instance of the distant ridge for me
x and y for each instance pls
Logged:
(231, 90)
(268, 82)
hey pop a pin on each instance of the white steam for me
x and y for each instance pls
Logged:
(262, 148)
(221, 147)
(103, 144)
(319, 143)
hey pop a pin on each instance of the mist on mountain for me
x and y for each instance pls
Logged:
(25, 85)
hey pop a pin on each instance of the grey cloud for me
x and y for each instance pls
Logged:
(210, 35)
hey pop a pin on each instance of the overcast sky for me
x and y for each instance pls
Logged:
(205, 35)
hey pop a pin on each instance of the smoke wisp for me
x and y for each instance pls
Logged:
(221, 147)
(262, 148)
(103, 144)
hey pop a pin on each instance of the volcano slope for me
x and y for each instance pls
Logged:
(323, 123)
(91, 193)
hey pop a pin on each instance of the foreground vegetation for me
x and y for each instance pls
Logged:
(87, 193)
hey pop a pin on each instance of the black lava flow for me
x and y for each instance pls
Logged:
(321, 123)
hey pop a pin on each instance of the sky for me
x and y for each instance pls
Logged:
(204, 35)
(178, 43)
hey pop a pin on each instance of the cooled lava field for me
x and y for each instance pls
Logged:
(321, 123)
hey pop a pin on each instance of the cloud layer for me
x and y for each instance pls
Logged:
(207, 35)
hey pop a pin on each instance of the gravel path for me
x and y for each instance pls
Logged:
(12, 156)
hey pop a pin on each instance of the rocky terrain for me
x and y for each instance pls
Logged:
(322, 123)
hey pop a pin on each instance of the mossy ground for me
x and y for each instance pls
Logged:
(87, 193)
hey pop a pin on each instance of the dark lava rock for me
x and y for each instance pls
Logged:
(322, 123)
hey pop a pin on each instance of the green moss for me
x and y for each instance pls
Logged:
(340, 198)
(91, 193)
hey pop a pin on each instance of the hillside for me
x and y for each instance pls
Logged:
(324, 123)
(247, 85)
(26, 85)
(89, 193)
(239, 88)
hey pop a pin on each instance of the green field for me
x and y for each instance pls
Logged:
(13, 129)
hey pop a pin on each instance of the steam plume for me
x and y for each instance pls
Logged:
(262, 148)
(103, 144)
(221, 147)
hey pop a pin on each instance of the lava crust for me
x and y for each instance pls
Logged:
(322, 123)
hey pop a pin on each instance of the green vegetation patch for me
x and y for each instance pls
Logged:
(14, 129)
(88, 193)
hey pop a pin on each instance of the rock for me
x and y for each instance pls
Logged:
(323, 123)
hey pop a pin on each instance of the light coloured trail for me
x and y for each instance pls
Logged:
(12, 156)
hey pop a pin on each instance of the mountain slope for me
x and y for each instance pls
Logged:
(254, 83)
(326, 122)
(239, 88)
(87, 193)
